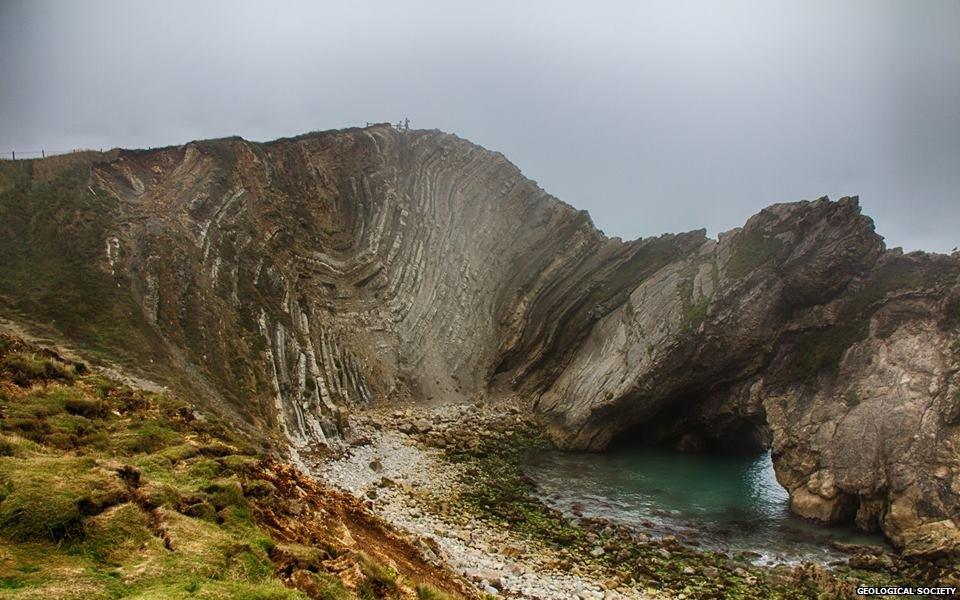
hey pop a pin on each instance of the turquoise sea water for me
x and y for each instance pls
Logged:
(729, 503)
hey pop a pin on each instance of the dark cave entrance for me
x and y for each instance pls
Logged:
(681, 430)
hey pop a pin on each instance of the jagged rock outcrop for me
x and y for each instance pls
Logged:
(807, 337)
(291, 282)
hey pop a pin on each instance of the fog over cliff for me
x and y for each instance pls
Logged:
(654, 116)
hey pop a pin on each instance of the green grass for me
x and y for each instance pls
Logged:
(821, 350)
(46, 498)
(327, 587)
(495, 488)
(694, 310)
(28, 367)
(150, 437)
(212, 589)
(750, 251)
(116, 533)
(428, 592)
(89, 469)
(53, 233)
(108, 491)
(379, 581)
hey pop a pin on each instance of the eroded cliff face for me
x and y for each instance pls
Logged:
(802, 334)
(325, 272)
(291, 282)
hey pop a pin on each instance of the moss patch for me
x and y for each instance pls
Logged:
(694, 309)
(821, 350)
(495, 487)
(751, 250)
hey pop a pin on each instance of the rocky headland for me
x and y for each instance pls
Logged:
(294, 286)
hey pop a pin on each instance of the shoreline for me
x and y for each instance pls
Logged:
(449, 477)
(415, 488)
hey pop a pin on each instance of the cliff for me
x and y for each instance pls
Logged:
(290, 282)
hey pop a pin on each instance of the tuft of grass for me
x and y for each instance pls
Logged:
(116, 534)
(299, 555)
(12, 445)
(11, 583)
(84, 407)
(225, 492)
(47, 498)
(151, 437)
(27, 368)
(325, 586)
(379, 580)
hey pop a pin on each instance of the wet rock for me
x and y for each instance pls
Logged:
(871, 562)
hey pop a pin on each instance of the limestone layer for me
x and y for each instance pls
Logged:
(293, 281)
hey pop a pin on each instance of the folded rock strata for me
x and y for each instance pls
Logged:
(292, 281)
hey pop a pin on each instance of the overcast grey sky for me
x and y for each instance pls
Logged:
(654, 116)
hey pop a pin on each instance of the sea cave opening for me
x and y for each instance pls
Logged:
(709, 481)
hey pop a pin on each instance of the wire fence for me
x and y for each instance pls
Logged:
(31, 154)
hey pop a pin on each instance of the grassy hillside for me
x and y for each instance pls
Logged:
(53, 232)
(108, 491)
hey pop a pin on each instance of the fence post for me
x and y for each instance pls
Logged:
(14, 153)
(43, 154)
